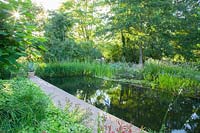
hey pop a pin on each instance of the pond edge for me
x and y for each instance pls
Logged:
(61, 98)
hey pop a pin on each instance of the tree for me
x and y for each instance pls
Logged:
(84, 17)
(186, 34)
(57, 32)
(157, 29)
(61, 44)
(132, 19)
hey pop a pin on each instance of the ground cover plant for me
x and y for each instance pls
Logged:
(25, 108)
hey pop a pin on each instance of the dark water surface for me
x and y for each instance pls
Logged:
(141, 107)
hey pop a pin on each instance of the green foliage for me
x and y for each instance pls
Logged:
(58, 120)
(154, 29)
(87, 51)
(174, 83)
(58, 26)
(153, 67)
(125, 30)
(127, 70)
(172, 77)
(17, 25)
(25, 108)
(69, 49)
(56, 31)
(75, 68)
(61, 46)
(22, 104)
(83, 14)
(111, 51)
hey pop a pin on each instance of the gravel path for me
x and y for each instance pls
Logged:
(97, 119)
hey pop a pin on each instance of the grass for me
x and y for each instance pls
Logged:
(75, 68)
(25, 108)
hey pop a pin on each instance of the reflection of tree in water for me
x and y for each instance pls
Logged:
(142, 107)
(135, 105)
(147, 108)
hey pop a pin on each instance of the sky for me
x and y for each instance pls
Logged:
(49, 4)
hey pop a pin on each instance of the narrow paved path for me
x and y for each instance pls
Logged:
(107, 122)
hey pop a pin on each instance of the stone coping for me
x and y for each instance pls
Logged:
(97, 119)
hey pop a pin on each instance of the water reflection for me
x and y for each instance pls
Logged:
(142, 107)
(100, 97)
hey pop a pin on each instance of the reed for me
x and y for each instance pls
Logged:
(75, 68)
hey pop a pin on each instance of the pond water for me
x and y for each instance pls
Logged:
(141, 107)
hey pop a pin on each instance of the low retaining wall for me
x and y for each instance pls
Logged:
(98, 120)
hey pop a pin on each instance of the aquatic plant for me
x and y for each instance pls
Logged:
(75, 68)
(171, 77)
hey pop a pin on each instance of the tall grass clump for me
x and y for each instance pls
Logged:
(22, 104)
(75, 68)
(171, 77)
(25, 108)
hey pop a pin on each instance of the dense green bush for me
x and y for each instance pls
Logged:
(25, 108)
(75, 68)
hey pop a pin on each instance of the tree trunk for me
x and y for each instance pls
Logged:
(141, 56)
